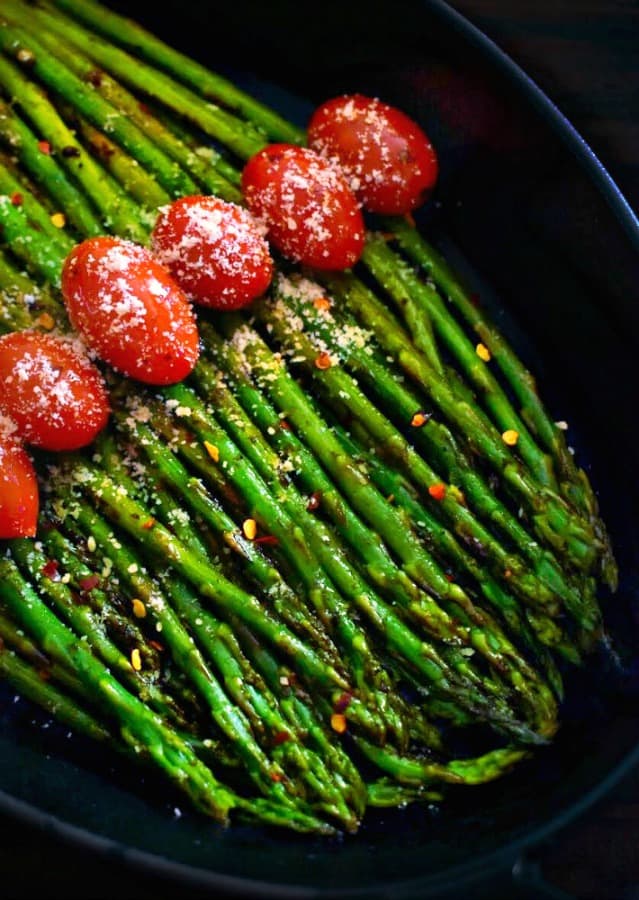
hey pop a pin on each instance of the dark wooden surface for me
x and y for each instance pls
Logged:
(585, 55)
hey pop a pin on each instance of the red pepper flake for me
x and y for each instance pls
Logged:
(343, 702)
(420, 418)
(284, 424)
(44, 674)
(322, 303)
(314, 501)
(437, 491)
(50, 568)
(269, 539)
(157, 646)
(249, 527)
(323, 361)
(508, 573)
(88, 584)
(276, 777)
(44, 147)
(148, 524)
(450, 578)
(281, 738)
(338, 723)
(46, 321)
(17, 199)
(94, 77)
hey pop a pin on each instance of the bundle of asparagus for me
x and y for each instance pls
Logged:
(349, 547)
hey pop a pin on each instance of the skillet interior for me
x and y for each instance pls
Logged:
(559, 265)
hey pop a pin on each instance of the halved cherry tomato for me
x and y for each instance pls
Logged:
(214, 250)
(51, 390)
(389, 161)
(311, 214)
(19, 500)
(129, 310)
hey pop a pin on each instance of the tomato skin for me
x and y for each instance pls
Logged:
(389, 161)
(214, 250)
(129, 310)
(19, 499)
(51, 390)
(311, 214)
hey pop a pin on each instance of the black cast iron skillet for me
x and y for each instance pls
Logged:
(548, 241)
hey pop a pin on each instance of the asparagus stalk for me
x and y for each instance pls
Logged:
(46, 171)
(365, 363)
(323, 543)
(210, 85)
(140, 729)
(219, 178)
(241, 137)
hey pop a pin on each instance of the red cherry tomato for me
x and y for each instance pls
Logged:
(214, 250)
(389, 161)
(311, 214)
(19, 499)
(129, 310)
(51, 390)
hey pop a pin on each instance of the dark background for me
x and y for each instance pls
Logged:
(585, 55)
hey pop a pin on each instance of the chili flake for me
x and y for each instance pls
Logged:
(269, 539)
(510, 437)
(50, 568)
(89, 583)
(314, 501)
(322, 303)
(139, 609)
(249, 527)
(343, 702)
(212, 451)
(44, 147)
(323, 361)
(136, 659)
(46, 321)
(483, 352)
(16, 199)
(420, 418)
(437, 491)
(338, 723)
(148, 524)
(280, 738)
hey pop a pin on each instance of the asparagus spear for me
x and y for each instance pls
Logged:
(241, 137)
(219, 179)
(207, 83)
(142, 730)
(336, 334)
(46, 171)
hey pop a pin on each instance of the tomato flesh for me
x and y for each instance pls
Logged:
(389, 161)
(19, 501)
(129, 310)
(305, 202)
(215, 251)
(51, 390)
